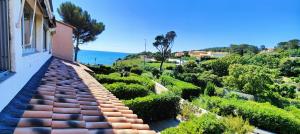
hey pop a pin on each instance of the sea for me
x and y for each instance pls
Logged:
(99, 57)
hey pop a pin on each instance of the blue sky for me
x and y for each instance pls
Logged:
(198, 23)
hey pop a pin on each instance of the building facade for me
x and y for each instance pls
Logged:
(62, 46)
(25, 43)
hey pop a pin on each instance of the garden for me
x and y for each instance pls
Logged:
(243, 92)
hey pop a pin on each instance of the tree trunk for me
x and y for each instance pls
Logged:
(76, 49)
(161, 65)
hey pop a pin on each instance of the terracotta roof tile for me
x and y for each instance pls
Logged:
(70, 101)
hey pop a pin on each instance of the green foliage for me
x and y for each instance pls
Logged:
(262, 115)
(155, 107)
(136, 70)
(290, 67)
(156, 73)
(127, 91)
(163, 43)
(220, 66)
(210, 124)
(249, 79)
(285, 90)
(277, 100)
(170, 67)
(186, 90)
(208, 76)
(210, 89)
(236, 125)
(205, 124)
(270, 60)
(101, 69)
(132, 79)
(294, 110)
(243, 49)
(86, 28)
(291, 44)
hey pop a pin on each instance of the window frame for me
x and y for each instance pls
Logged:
(32, 31)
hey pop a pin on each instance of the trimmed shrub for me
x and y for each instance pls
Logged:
(136, 70)
(127, 91)
(101, 69)
(262, 115)
(210, 89)
(112, 78)
(169, 67)
(186, 90)
(155, 107)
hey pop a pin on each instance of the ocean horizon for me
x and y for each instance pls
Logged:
(99, 57)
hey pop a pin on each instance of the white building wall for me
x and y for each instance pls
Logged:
(24, 67)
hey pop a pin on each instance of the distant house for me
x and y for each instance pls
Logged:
(26, 34)
(63, 42)
(201, 54)
(268, 50)
(179, 54)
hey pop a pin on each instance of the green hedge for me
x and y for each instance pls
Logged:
(101, 69)
(132, 79)
(262, 115)
(155, 107)
(186, 90)
(127, 91)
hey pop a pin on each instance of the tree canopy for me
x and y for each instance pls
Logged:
(164, 44)
(87, 28)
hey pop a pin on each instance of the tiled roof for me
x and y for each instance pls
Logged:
(69, 100)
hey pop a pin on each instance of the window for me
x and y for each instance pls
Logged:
(45, 38)
(4, 38)
(28, 30)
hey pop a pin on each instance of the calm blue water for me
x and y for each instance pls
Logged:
(99, 57)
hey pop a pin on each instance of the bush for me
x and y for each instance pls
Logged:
(155, 107)
(262, 115)
(156, 73)
(169, 67)
(186, 90)
(101, 69)
(294, 110)
(205, 124)
(112, 78)
(127, 91)
(236, 125)
(136, 70)
(209, 124)
(210, 89)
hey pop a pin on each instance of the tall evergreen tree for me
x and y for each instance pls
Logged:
(164, 43)
(87, 28)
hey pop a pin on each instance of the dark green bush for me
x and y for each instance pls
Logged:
(136, 70)
(127, 91)
(210, 89)
(186, 90)
(169, 67)
(101, 69)
(155, 107)
(155, 72)
(262, 115)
